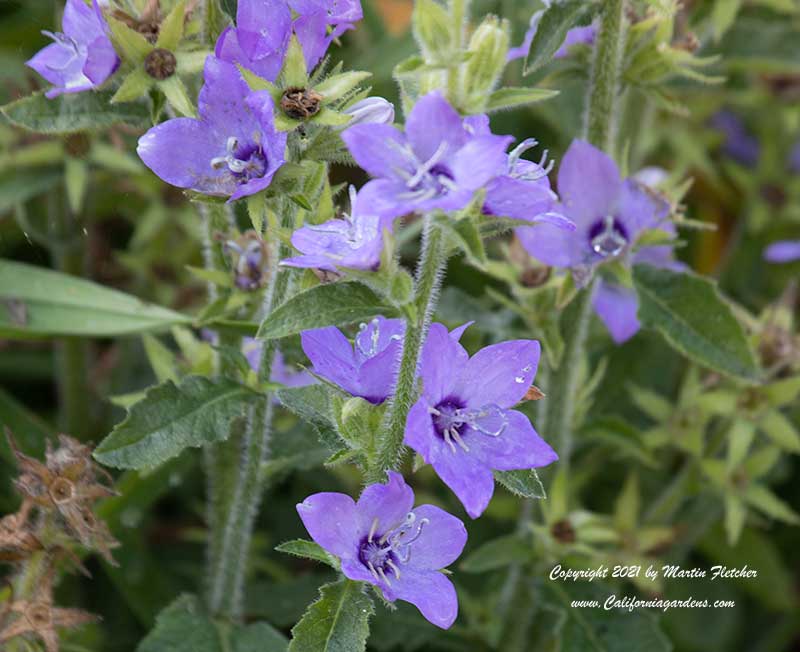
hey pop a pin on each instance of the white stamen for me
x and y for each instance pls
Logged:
(372, 570)
(449, 441)
(394, 567)
(372, 530)
(458, 439)
(383, 577)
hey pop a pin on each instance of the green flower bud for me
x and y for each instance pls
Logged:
(488, 48)
(432, 30)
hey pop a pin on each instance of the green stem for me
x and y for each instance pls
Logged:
(601, 108)
(429, 276)
(241, 477)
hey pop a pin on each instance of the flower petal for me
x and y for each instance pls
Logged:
(617, 307)
(479, 160)
(522, 200)
(376, 148)
(331, 354)
(442, 361)
(517, 447)
(589, 183)
(469, 478)
(331, 520)
(638, 210)
(441, 540)
(420, 434)
(553, 245)
(432, 122)
(378, 375)
(499, 374)
(390, 503)
(430, 592)
(786, 251)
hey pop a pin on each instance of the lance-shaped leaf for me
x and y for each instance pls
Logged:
(170, 418)
(557, 20)
(37, 302)
(524, 483)
(308, 550)
(74, 112)
(694, 318)
(332, 304)
(513, 98)
(337, 622)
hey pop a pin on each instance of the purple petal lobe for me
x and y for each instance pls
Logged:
(441, 540)
(442, 360)
(331, 520)
(553, 245)
(431, 592)
(390, 503)
(432, 124)
(375, 147)
(617, 306)
(589, 183)
(469, 478)
(786, 251)
(331, 354)
(517, 447)
(500, 374)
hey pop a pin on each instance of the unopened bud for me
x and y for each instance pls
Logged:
(372, 110)
(160, 64)
(489, 47)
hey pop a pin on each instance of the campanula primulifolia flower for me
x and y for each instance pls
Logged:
(368, 366)
(233, 149)
(608, 211)
(81, 56)
(280, 372)
(384, 540)
(464, 425)
(260, 39)
(738, 144)
(436, 164)
(783, 251)
(522, 189)
(355, 241)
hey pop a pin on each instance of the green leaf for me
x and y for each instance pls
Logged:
(294, 66)
(359, 421)
(20, 186)
(337, 86)
(177, 95)
(312, 404)
(690, 313)
(57, 304)
(497, 553)
(185, 627)
(780, 430)
(133, 87)
(524, 483)
(557, 20)
(308, 550)
(76, 180)
(512, 98)
(431, 26)
(332, 304)
(723, 16)
(765, 501)
(170, 418)
(73, 112)
(132, 45)
(337, 622)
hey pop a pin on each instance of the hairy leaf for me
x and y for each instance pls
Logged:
(557, 20)
(524, 483)
(308, 550)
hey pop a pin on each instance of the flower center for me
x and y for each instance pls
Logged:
(384, 554)
(608, 237)
(243, 161)
(525, 170)
(453, 421)
(430, 178)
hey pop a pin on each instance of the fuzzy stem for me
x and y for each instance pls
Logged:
(429, 276)
(601, 107)
(230, 540)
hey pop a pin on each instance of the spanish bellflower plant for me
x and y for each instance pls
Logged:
(232, 150)
(382, 539)
(81, 56)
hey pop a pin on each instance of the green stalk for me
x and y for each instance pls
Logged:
(602, 109)
(241, 477)
(458, 14)
(429, 276)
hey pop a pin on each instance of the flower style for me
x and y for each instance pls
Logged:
(260, 39)
(354, 242)
(463, 424)
(436, 164)
(608, 211)
(575, 36)
(81, 57)
(232, 150)
(367, 368)
(386, 541)
(522, 190)
(784, 251)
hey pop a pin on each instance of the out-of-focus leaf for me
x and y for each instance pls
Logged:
(170, 418)
(22, 185)
(513, 98)
(690, 313)
(497, 553)
(557, 20)
(337, 622)
(313, 405)
(59, 304)
(331, 304)
(74, 112)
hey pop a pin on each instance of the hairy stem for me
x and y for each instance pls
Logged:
(601, 106)
(429, 276)
(241, 477)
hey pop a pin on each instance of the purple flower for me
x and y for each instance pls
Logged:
(371, 110)
(608, 211)
(575, 36)
(232, 150)
(81, 57)
(785, 251)
(260, 39)
(522, 190)
(463, 424)
(367, 368)
(355, 242)
(794, 158)
(436, 164)
(386, 541)
(738, 144)
(281, 372)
